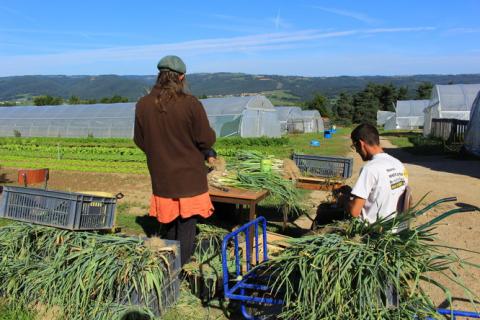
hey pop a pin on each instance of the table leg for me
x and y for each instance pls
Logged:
(251, 217)
(240, 214)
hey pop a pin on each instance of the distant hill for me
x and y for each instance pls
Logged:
(282, 89)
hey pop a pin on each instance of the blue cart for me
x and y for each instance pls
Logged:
(249, 284)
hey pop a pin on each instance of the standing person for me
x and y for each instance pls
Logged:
(172, 128)
(382, 179)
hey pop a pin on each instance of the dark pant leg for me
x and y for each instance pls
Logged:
(171, 229)
(186, 232)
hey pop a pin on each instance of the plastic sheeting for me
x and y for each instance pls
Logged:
(290, 118)
(391, 123)
(250, 116)
(99, 120)
(313, 121)
(472, 135)
(450, 102)
(408, 115)
(383, 116)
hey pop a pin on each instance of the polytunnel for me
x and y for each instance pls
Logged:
(450, 102)
(291, 119)
(383, 116)
(472, 135)
(409, 114)
(249, 116)
(312, 121)
(98, 120)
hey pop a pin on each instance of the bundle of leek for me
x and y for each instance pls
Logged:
(351, 270)
(87, 275)
(245, 171)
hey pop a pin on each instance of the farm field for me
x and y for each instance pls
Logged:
(96, 165)
(122, 156)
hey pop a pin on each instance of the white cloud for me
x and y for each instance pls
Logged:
(277, 41)
(350, 14)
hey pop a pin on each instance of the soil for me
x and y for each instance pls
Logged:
(439, 177)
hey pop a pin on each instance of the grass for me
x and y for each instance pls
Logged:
(10, 312)
(414, 142)
(129, 222)
(4, 222)
(282, 98)
(188, 307)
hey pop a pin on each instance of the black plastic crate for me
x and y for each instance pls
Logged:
(170, 291)
(324, 166)
(67, 210)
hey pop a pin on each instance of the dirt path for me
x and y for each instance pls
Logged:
(443, 177)
(440, 177)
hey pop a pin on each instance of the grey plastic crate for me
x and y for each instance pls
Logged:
(67, 210)
(170, 289)
(324, 166)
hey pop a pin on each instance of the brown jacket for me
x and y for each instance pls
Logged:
(174, 140)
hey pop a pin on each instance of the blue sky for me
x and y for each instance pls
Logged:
(307, 38)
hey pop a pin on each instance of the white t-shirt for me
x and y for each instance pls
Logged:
(381, 182)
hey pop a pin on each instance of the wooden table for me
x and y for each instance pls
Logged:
(241, 197)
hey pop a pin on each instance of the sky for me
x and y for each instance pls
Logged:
(303, 38)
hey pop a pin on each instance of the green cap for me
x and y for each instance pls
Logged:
(172, 63)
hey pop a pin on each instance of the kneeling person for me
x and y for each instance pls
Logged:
(382, 179)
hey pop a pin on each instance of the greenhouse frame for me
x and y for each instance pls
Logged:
(291, 119)
(472, 135)
(95, 120)
(409, 114)
(248, 116)
(450, 102)
(312, 121)
(383, 116)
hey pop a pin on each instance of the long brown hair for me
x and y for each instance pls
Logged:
(171, 87)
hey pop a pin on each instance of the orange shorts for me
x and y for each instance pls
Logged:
(167, 209)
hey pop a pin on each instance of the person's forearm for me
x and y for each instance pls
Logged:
(354, 207)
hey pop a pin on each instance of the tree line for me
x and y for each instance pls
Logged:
(347, 108)
(53, 101)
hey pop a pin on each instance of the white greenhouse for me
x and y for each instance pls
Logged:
(450, 102)
(291, 119)
(312, 121)
(409, 114)
(383, 116)
(250, 116)
(99, 120)
(472, 135)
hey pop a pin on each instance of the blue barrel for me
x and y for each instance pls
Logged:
(327, 134)
(315, 143)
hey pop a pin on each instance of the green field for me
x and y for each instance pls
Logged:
(122, 156)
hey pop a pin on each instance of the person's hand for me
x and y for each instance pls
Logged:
(211, 161)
